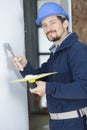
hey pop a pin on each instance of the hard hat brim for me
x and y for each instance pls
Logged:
(38, 21)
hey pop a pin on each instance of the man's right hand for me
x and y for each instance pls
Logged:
(19, 62)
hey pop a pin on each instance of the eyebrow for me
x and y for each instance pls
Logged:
(50, 21)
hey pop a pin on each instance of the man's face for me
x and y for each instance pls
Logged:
(54, 29)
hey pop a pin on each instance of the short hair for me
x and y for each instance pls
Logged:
(62, 19)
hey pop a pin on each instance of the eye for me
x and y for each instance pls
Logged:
(44, 25)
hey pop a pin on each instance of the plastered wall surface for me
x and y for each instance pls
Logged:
(13, 97)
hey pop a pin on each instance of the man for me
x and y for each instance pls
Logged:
(66, 92)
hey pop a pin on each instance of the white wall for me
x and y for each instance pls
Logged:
(13, 97)
(67, 6)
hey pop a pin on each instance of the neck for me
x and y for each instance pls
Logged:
(61, 39)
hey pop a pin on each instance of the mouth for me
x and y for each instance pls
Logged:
(50, 32)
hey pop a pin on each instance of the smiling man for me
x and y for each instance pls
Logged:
(66, 92)
(54, 28)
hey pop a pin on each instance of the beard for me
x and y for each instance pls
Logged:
(53, 38)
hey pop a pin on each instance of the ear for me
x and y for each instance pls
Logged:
(65, 23)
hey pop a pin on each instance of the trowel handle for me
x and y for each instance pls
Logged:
(32, 85)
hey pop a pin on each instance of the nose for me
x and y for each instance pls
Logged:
(47, 28)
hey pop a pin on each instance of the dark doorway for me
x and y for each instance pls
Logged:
(31, 42)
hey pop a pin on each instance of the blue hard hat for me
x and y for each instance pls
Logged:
(49, 9)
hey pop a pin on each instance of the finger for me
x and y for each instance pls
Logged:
(22, 60)
(38, 83)
(19, 62)
(16, 66)
(33, 90)
(14, 58)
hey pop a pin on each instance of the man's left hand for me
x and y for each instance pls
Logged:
(40, 89)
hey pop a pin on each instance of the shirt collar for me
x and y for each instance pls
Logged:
(53, 47)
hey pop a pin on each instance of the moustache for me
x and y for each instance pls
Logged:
(50, 32)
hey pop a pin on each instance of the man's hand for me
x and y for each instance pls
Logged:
(19, 62)
(40, 89)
